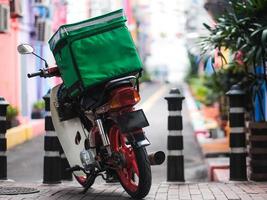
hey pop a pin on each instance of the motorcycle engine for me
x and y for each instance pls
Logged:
(88, 159)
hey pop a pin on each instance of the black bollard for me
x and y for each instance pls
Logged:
(175, 158)
(238, 152)
(3, 141)
(52, 161)
(65, 174)
(258, 151)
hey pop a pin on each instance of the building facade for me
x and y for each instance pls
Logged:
(32, 22)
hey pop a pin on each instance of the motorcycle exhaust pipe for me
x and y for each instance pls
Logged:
(156, 158)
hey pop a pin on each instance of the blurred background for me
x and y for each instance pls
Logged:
(203, 47)
(166, 34)
(162, 31)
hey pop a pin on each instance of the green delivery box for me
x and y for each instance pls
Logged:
(94, 51)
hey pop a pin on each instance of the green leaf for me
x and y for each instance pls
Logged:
(255, 32)
(239, 42)
(207, 26)
(264, 37)
(259, 55)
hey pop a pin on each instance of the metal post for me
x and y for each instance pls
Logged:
(52, 162)
(65, 175)
(3, 141)
(175, 159)
(238, 152)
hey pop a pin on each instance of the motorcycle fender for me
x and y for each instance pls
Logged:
(132, 121)
(131, 124)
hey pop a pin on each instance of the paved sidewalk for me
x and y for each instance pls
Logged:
(163, 191)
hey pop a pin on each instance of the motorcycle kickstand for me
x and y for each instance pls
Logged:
(89, 183)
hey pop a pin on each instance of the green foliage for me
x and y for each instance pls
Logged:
(201, 92)
(193, 68)
(12, 112)
(244, 29)
(145, 77)
(208, 89)
(39, 105)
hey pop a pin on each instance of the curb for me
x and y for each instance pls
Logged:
(216, 166)
(221, 175)
(195, 115)
(24, 132)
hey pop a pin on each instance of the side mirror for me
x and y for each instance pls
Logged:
(28, 49)
(25, 49)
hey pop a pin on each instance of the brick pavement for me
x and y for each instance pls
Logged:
(163, 191)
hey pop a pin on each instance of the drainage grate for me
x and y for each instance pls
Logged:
(17, 190)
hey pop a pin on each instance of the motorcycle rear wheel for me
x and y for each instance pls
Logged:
(135, 175)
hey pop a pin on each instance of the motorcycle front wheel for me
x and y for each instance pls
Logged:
(135, 174)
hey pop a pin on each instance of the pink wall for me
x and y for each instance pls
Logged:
(128, 7)
(59, 18)
(9, 68)
(128, 11)
(59, 15)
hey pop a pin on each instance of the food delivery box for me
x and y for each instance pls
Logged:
(94, 51)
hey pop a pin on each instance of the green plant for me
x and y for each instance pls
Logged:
(193, 67)
(244, 29)
(244, 32)
(12, 112)
(39, 105)
(201, 92)
(145, 77)
(209, 89)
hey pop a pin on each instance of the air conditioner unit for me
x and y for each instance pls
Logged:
(4, 18)
(15, 8)
(43, 30)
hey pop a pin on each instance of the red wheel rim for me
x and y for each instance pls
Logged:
(129, 173)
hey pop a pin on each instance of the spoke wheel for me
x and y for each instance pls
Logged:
(135, 173)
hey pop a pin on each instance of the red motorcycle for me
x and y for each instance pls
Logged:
(101, 132)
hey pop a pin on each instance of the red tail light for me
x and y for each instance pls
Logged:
(124, 97)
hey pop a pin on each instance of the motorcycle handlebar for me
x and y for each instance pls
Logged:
(34, 74)
(46, 73)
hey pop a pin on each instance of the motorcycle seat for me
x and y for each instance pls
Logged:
(125, 81)
(98, 96)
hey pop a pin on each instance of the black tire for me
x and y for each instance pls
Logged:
(135, 172)
(145, 177)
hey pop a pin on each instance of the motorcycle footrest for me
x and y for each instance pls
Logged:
(74, 168)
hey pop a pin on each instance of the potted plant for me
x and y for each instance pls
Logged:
(38, 110)
(243, 31)
(11, 117)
